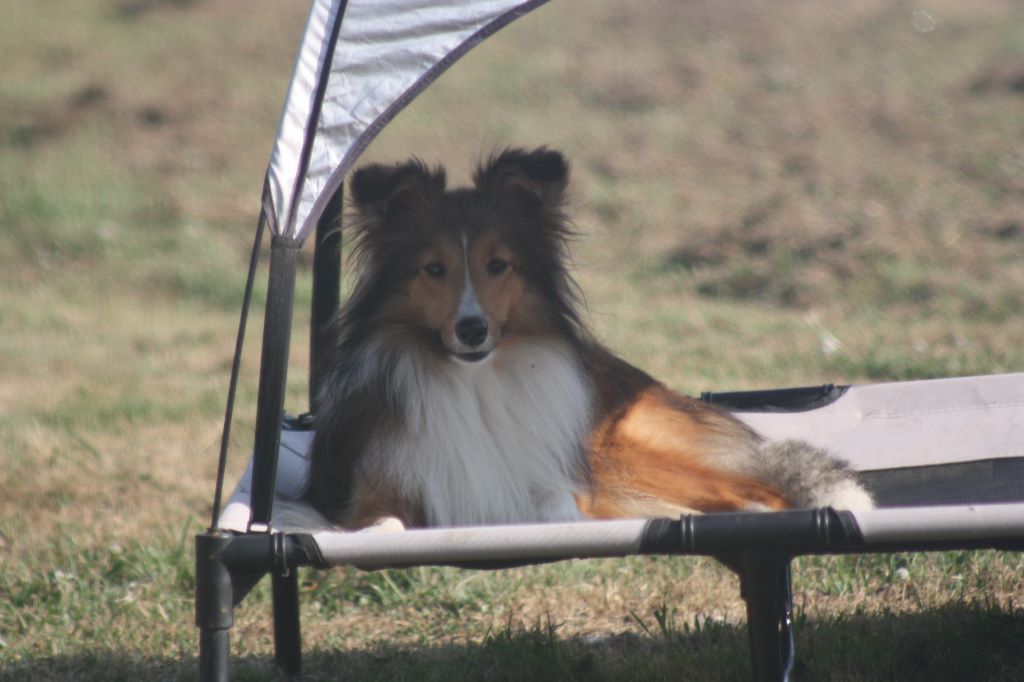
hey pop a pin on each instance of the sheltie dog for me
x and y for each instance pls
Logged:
(463, 387)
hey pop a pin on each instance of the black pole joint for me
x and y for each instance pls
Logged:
(214, 606)
(748, 543)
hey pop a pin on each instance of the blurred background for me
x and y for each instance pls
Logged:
(768, 194)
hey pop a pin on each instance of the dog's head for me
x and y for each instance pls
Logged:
(469, 268)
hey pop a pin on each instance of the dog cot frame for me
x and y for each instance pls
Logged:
(759, 547)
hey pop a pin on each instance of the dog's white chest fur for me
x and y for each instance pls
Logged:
(500, 441)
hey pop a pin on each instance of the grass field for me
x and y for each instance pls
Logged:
(770, 194)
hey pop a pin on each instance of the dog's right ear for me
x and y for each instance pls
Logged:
(379, 191)
(539, 176)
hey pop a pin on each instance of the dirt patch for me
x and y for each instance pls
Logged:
(30, 126)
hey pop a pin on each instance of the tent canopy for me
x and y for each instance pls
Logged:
(359, 64)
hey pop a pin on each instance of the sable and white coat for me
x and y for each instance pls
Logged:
(463, 387)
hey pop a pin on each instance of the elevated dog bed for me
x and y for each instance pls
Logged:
(945, 458)
(918, 443)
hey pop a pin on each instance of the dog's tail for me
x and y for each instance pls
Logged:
(810, 476)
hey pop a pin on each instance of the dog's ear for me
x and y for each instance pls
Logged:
(539, 176)
(379, 191)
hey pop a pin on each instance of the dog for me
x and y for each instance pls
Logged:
(462, 386)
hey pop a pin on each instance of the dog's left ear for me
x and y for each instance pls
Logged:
(379, 191)
(538, 176)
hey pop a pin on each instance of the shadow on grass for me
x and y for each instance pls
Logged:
(960, 642)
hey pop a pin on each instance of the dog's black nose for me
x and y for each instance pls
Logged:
(471, 331)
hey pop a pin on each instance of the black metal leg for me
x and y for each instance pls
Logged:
(214, 608)
(287, 633)
(765, 583)
(214, 655)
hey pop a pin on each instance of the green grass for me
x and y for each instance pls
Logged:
(67, 612)
(773, 195)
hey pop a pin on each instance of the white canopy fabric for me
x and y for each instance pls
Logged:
(359, 64)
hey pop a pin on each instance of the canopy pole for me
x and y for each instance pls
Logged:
(326, 290)
(277, 327)
(215, 614)
(236, 363)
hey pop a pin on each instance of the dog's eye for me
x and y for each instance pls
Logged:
(496, 266)
(435, 270)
